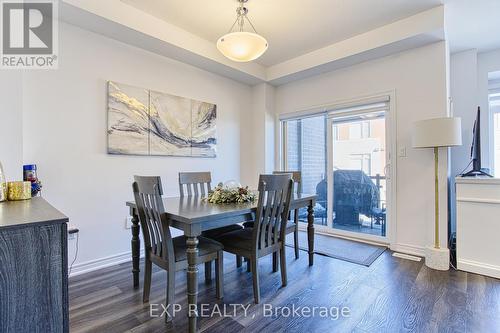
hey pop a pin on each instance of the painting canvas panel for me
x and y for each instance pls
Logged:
(145, 122)
(170, 118)
(128, 119)
(204, 139)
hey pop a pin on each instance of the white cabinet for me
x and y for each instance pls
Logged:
(478, 225)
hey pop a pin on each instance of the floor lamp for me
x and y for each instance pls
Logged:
(436, 133)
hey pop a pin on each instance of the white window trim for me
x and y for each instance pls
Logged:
(491, 139)
(335, 106)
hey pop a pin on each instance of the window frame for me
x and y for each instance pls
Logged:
(493, 93)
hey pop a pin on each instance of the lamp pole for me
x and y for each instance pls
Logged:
(436, 193)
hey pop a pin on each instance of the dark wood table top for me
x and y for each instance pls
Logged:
(194, 209)
(26, 212)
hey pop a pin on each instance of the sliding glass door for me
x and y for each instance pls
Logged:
(357, 163)
(344, 159)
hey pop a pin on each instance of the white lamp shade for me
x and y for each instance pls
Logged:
(242, 46)
(438, 132)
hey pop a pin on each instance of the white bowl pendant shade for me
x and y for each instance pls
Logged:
(242, 46)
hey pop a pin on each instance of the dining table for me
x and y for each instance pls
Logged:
(193, 215)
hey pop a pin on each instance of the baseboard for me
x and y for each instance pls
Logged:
(92, 265)
(408, 249)
(406, 256)
(479, 268)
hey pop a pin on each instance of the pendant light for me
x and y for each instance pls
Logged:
(242, 46)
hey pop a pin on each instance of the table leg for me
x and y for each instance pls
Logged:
(136, 249)
(310, 232)
(192, 282)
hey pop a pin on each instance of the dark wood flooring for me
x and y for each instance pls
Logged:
(392, 295)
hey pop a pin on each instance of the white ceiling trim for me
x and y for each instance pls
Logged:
(117, 20)
(120, 21)
(417, 30)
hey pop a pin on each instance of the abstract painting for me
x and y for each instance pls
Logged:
(128, 120)
(146, 122)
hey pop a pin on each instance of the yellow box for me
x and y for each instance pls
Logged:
(18, 190)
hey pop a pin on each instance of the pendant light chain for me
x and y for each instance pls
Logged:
(241, 13)
(251, 24)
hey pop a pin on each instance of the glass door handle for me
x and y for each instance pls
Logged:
(387, 170)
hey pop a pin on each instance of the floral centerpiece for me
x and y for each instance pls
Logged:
(230, 193)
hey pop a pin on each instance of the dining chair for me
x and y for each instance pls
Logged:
(290, 227)
(160, 248)
(268, 233)
(200, 183)
(294, 227)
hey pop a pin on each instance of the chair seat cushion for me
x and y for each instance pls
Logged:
(205, 246)
(239, 239)
(290, 226)
(214, 233)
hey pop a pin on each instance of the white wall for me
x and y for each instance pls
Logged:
(258, 135)
(463, 76)
(463, 82)
(11, 130)
(486, 62)
(65, 132)
(469, 89)
(419, 79)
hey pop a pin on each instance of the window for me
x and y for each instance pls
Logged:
(355, 131)
(494, 99)
(361, 162)
(359, 130)
(305, 149)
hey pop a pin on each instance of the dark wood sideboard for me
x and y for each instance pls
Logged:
(33, 267)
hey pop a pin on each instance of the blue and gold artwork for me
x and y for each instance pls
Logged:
(146, 122)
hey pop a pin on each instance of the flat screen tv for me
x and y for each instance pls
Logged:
(475, 152)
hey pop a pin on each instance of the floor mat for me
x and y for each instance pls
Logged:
(343, 249)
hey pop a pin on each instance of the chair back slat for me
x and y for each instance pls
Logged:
(272, 209)
(265, 220)
(195, 183)
(274, 219)
(297, 179)
(154, 225)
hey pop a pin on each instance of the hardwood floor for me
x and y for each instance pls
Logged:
(392, 295)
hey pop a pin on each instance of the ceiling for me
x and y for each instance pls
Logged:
(291, 27)
(473, 24)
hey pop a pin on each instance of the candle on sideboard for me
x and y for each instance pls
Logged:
(3, 185)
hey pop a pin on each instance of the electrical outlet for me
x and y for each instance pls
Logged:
(128, 222)
(402, 151)
(72, 232)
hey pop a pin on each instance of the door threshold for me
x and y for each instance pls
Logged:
(347, 237)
